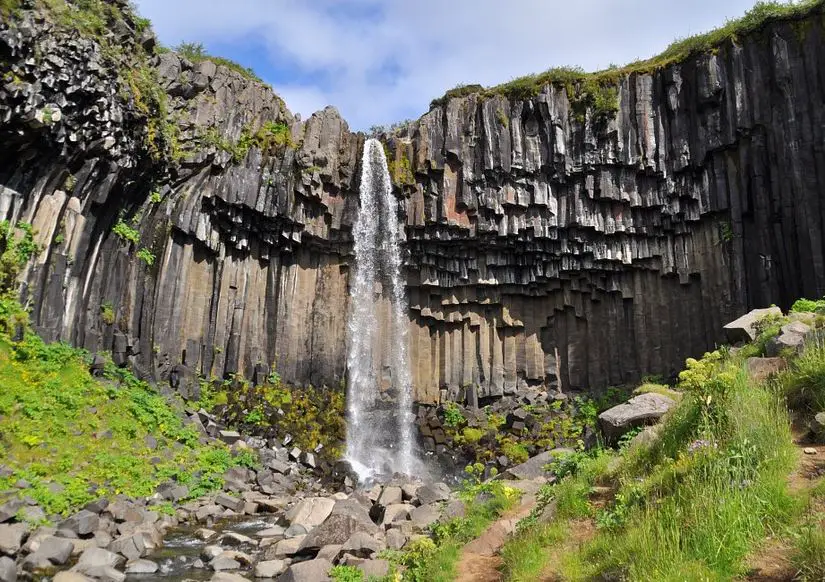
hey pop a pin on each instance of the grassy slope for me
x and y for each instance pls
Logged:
(60, 425)
(693, 505)
(584, 87)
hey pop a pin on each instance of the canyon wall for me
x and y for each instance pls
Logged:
(542, 248)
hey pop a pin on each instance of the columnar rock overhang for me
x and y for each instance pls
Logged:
(541, 248)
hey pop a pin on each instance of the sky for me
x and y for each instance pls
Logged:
(383, 61)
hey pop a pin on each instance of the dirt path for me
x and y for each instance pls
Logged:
(479, 560)
(772, 561)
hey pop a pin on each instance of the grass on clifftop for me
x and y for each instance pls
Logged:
(597, 90)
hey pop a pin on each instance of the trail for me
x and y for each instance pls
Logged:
(771, 562)
(479, 560)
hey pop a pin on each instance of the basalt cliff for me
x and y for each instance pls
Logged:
(187, 217)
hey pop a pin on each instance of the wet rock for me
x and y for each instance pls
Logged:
(205, 534)
(227, 577)
(71, 577)
(142, 566)
(209, 553)
(224, 563)
(270, 568)
(390, 495)
(310, 571)
(233, 539)
(638, 411)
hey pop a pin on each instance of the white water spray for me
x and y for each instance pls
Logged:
(380, 427)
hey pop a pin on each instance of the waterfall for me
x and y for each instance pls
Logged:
(380, 424)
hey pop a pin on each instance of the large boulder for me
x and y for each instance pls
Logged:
(639, 411)
(760, 369)
(11, 538)
(310, 512)
(791, 339)
(311, 571)
(348, 517)
(744, 328)
(51, 550)
(83, 523)
(8, 570)
(433, 493)
(270, 568)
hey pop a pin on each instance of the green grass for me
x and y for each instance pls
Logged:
(597, 91)
(434, 559)
(691, 506)
(60, 425)
(804, 381)
(196, 53)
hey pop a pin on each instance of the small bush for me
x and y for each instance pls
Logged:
(107, 312)
(808, 306)
(125, 232)
(196, 53)
(804, 381)
(341, 573)
(452, 415)
(146, 256)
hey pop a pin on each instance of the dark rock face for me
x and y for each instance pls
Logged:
(541, 248)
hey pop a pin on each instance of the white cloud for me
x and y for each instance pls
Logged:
(430, 45)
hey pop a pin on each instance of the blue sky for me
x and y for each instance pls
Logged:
(381, 61)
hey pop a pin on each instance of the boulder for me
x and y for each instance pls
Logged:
(362, 545)
(54, 550)
(12, 537)
(433, 493)
(310, 512)
(744, 328)
(390, 495)
(93, 558)
(760, 369)
(270, 568)
(374, 569)
(396, 512)
(224, 563)
(310, 571)
(791, 339)
(141, 566)
(83, 523)
(229, 502)
(395, 539)
(132, 546)
(9, 509)
(818, 425)
(227, 577)
(424, 515)
(284, 549)
(8, 570)
(638, 411)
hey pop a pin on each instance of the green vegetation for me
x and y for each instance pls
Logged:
(434, 559)
(196, 52)
(107, 313)
(17, 247)
(272, 138)
(125, 232)
(452, 415)
(146, 256)
(343, 573)
(9, 7)
(598, 92)
(697, 500)
(313, 417)
(74, 438)
(808, 306)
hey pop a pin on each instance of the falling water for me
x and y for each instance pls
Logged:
(379, 431)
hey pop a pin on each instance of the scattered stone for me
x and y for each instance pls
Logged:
(638, 411)
(424, 515)
(131, 546)
(229, 502)
(295, 530)
(390, 495)
(97, 558)
(9, 509)
(284, 548)
(362, 545)
(235, 539)
(374, 569)
(229, 436)
(329, 552)
(51, 549)
(141, 566)
(433, 493)
(310, 512)
(224, 563)
(396, 512)
(8, 570)
(271, 532)
(227, 577)
(395, 539)
(82, 523)
(809, 451)
(744, 328)
(12, 537)
(270, 568)
(310, 571)
(760, 369)
(211, 552)
(205, 534)
(71, 577)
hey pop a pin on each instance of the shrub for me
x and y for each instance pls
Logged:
(107, 312)
(808, 306)
(196, 52)
(341, 573)
(804, 381)
(146, 256)
(17, 247)
(452, 415)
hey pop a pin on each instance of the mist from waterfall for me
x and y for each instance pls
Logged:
(380, 424)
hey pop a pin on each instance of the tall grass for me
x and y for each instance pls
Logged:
(692, 505)
(804, 381)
